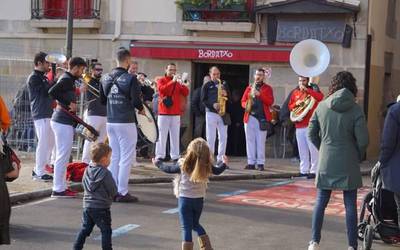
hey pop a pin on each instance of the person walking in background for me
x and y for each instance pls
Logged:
(190, 186)
(339, 131)
(389, 157)
(199, 110)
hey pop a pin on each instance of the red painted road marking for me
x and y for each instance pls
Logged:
(299, 195)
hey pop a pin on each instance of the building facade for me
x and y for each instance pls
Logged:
(238, 36)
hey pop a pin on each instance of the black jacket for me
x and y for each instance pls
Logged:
(95, 107)
(120, 91)
(209, 96)
(40, 101)
(197, 105)
(64, 92)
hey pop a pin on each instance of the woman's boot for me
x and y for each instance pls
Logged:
(204, 242)
(187, 245)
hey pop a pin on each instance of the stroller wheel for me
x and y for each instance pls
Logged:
(361, 230)
(368, 237)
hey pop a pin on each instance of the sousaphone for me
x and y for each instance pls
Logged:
(308, 58)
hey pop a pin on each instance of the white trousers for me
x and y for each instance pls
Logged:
(64, 135)
(255, 141)
(122, 138)
(98, 123)
(307, 150)
(45, 145)
(215, 123)
(168, 124)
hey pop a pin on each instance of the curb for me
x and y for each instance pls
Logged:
(29, 196)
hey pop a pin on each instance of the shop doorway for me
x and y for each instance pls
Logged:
(237, 79)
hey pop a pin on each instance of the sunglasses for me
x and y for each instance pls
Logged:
(98, 69)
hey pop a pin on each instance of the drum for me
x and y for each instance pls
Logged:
(147, 125)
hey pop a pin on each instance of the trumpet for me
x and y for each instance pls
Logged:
(221, 99)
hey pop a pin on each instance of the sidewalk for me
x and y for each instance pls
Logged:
(24, 188)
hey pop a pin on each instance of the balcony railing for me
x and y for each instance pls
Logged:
(210, 13)
(57, 9)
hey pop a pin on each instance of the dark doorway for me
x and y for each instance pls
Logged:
(237, 78)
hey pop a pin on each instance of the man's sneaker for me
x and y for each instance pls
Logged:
(304, 174)
(65, 194)
(45, 177)
(313, 246)
(175, 161)
(49, 168)
(260, 167)
(126, 198)
(311, 176)
(250, 167)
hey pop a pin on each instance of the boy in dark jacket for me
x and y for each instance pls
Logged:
(100, 189)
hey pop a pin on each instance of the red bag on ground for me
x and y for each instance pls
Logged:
(75, 171)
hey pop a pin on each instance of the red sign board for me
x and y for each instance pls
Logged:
(300, 195)
(215, 52)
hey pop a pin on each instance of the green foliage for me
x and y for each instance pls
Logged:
(195, 3)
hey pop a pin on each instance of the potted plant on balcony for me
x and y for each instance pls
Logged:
(193, 4)
(232, 4)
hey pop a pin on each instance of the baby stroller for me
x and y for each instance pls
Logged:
(380, 221)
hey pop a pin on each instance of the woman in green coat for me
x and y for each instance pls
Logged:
(338, 129)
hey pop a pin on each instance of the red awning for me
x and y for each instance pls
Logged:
(210, 51)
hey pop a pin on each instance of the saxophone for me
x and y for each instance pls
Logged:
(221, 99)
(250, 100)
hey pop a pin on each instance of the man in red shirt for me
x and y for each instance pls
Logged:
(306, 148)
(170, 109)
(257, 100)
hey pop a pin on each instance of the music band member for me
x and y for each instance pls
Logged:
(41, 109)
(96, 112)
(306, 149)
(64, 92)
(120, 91)
(170, 92)
(215, 121)
(145, 87)
(257, 100)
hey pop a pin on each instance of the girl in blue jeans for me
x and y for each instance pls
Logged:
(339, 131)
(190, 186)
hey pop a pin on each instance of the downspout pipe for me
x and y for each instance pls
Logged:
(118, 20)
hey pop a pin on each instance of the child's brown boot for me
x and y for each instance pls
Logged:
(204, 242)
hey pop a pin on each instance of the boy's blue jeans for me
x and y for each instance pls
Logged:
(102, 219)
(189, 216)
(350, 202)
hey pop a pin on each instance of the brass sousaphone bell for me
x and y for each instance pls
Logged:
(308, 58)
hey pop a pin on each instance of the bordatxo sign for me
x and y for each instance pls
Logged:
(214, 54)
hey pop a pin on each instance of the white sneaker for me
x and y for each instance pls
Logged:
(313, 246)
(351, 248)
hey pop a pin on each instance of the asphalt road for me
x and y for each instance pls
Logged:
(247, 219)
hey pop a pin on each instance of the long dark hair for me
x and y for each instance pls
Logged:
(343, 79)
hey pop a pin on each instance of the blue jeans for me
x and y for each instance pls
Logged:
(102, 219)
(350, 202)
(189, 216)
